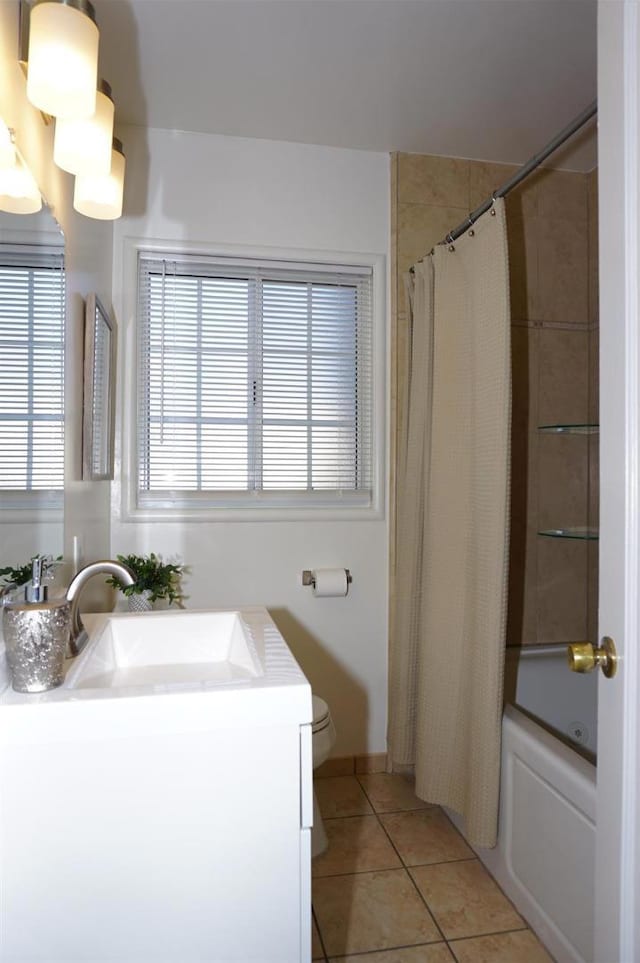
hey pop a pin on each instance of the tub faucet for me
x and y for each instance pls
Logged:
(106, 567)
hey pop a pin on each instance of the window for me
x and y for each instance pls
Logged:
(31, 378)
(254, 384)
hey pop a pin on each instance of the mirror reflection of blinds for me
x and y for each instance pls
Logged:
(31, 373)
(254, 380)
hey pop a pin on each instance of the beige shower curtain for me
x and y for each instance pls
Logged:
(447, 645)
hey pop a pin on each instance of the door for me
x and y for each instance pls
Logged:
(617, 923)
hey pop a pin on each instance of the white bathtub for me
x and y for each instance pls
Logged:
(545, 855)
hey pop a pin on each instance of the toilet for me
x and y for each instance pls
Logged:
(323, 739)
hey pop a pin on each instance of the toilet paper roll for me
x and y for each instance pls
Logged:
(330, 582)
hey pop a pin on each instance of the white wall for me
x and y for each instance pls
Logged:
(88, 260)
(234, 191)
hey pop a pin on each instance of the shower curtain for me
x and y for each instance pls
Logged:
(448, 638)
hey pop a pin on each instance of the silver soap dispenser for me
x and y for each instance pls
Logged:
(36, 633)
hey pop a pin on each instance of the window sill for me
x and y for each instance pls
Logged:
(250, 510)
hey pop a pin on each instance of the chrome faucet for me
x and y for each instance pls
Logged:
(106, 567)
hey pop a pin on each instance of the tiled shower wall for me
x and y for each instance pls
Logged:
(552, 229)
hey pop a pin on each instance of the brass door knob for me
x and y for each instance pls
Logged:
(585, 657)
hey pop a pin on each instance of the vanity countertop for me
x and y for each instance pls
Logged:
(278, 670)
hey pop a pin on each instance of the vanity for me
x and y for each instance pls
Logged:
(157, 806)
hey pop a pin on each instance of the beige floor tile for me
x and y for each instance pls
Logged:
(523, 947)
(342, 766)
(341, 796)
(433, 953)
(373, 762)
(464, 899)
(317, 953)
(425, 836)
(371, 911)
(357, 844)
(389, 793)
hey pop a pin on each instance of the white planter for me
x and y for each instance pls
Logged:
(140, 602)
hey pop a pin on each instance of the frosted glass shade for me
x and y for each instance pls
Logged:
(19, 192)
(84, 146)
(62, 72)
(100, 195)
(7, 150)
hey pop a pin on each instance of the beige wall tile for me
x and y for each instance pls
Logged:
(357, 844)
(522, 241)
(592, 195)
(522, 608)
(341, 796)
(562, 270)
(441, 181)
(464, 899)
(371, 911)
(593, 519)
(563, 481)
(420, 227)
(522, 946)
(523, 573)
(485, 178)
(563, 376)
(594, 377)
(425, 836)
(562, 194)
(562, 590)
(592, 592)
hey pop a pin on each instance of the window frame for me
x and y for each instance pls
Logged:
(42, 505)
(248, 506)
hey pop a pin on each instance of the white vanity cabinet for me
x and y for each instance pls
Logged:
(161, 821)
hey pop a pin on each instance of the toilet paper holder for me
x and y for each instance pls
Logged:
(308, 577)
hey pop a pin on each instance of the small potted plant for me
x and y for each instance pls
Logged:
(155, 580)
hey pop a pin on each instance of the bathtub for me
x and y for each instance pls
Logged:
(545, 856)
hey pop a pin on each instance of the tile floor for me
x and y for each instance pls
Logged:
(398, 884)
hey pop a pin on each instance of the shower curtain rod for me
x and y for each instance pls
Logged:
(524, 171)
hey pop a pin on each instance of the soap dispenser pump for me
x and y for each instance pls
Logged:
(36, 633)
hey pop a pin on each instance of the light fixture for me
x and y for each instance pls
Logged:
(84, 146)
(100, 195)
(7, 150)
(62, 70)
(19, 192)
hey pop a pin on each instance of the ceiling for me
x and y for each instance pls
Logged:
(485, 79)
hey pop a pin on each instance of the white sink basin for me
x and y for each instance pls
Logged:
(167, 649)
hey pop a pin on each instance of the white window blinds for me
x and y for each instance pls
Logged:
(31, 377)
(254, 383)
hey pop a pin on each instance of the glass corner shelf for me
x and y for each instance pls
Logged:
(569, 429)
(585, 534)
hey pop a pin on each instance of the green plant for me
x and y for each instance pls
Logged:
(160, 579)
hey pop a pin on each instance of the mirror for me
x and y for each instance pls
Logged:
(99, 392)
(32, 323)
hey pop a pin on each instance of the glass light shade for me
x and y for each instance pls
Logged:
(84, 146)
(100, 195)
(62, 71)
(19, 192)
(7, 150)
